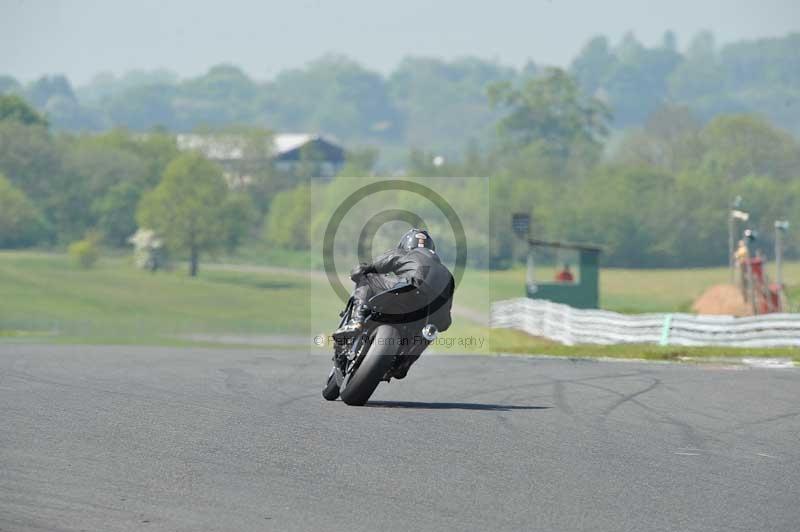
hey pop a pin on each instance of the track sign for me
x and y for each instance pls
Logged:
(521, 223)
(740, 215)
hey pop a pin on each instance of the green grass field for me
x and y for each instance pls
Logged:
(45, 297)
(46, 293)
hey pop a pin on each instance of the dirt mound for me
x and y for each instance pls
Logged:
(722, 299)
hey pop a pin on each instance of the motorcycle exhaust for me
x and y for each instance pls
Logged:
(429, 332)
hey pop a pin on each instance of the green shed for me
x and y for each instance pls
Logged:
(579, 289)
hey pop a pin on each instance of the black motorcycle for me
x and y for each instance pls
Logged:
(394, 335)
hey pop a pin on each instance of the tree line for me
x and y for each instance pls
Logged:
(429, 103)
(658, 195)
(653, 195)
(57, 188)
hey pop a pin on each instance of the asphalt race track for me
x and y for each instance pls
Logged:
(132, 438)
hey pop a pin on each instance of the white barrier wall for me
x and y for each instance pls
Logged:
(577, 326)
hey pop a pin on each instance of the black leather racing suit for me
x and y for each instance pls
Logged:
(421, 267)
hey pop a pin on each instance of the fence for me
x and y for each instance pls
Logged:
(575, 326)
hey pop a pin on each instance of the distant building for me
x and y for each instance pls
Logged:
(239, 155)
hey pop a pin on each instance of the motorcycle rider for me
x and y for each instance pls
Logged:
(414, 261)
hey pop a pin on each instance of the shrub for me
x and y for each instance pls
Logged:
(84, 252)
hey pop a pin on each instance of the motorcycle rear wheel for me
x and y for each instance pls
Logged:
(360, 386)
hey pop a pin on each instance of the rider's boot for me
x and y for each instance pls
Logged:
(352, 327)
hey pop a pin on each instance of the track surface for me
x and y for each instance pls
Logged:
(131, 438)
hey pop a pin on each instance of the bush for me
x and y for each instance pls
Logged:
(84, 252)
(21, 224)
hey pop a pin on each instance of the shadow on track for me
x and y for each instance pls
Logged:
(452, 406)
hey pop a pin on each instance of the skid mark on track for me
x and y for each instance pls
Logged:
(549, 381)
(691, 436)
(293, 399)
(763, 421)
(624, 398)
(258, 361)
(292, 396)
(238, 380)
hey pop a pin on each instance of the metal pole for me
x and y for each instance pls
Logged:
(752, 288)
(781, 226)
(778, 255)
(731, 260)
(530, 273)
(734, 213)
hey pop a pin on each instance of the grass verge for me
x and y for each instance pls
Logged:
(515, 342)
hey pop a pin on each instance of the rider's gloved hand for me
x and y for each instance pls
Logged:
(359, 270)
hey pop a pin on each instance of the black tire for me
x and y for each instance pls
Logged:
(331, 390)
(380, 357)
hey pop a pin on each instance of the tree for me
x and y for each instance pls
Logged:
(699, 80)
(110, 172)
(669, 140)
(141, 108)
(9, 84)
(763, 63)
(116, 212)
(67, 114)
(53, 95)
(445, 102)
(224, 95)
(20, 223)
(46, 87)
(742, 145)
(629, 210)
(336, 95)
(593, 64)
(111, 181)
(287, 223)
(30, 158)
(638, 83)
(238, 217)
(13, 107)
(360, 162)
(669, 41)
(105, 84)
(550, 112)
(189, 208)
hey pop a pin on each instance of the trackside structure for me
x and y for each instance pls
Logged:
(580, 292)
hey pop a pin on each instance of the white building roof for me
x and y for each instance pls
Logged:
(229, 147)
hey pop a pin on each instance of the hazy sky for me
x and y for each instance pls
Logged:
(81, 38)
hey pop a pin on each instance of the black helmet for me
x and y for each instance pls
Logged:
(416, 238)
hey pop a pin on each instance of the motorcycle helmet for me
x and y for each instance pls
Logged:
(416, 238)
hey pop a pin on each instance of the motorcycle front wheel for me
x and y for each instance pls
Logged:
(331, 390)
(361, 384)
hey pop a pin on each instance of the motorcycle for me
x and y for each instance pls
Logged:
(394, 334)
